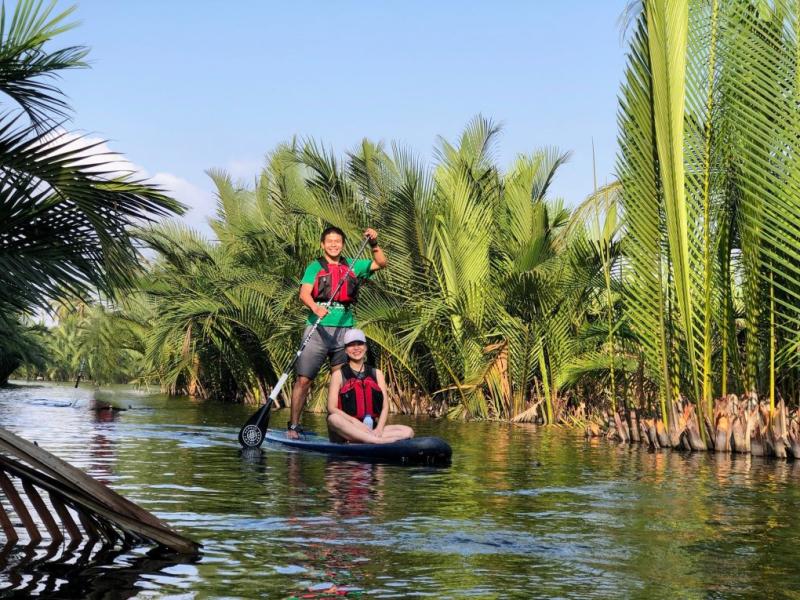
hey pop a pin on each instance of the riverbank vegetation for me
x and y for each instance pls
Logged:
(639, 313)
(708, 167)
(494, 303)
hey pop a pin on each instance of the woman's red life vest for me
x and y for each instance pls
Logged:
(360, 394)
(327, 279)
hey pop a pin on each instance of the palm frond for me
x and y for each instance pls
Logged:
(28, 67)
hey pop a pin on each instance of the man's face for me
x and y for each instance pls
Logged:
(332, 245)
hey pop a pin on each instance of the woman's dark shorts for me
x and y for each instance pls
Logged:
(326, 342)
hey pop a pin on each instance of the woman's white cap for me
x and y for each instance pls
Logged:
(354, 335)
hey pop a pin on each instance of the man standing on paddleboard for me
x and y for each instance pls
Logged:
(322, 277)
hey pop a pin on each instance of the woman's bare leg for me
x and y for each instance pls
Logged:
(351, 431)
(395, 433)
(360, 433)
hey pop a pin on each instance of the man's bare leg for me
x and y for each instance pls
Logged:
(299, 394)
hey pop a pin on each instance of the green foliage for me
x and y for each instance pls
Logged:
(678, 281)
(107, 342)
(65, 213)
(23, 345)
(708, 166)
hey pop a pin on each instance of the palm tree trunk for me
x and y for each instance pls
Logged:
(546, 385)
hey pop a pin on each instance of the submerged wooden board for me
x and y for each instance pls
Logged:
(101, 511)
(421, 450)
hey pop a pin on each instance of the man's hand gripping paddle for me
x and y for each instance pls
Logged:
(252, 434)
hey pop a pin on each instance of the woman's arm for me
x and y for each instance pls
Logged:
(385, 408)
(333, 392)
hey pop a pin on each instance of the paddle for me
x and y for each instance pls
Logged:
(80, 373)
(252, 433)
(77, 381)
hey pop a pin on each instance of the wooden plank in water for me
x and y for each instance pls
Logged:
(164, 537)
(88, 525)
(8, 527)
(19, 506)
(106, 530)
(66, 518)
(73, 477)
(128, 539)
(146, 532)
(43, 511)
(53, 474)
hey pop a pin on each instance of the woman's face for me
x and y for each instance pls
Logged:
(356, 350)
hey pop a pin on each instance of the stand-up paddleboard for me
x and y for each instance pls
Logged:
(420, 450)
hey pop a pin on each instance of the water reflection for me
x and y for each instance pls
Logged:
(347, 495)
(101, 447)
(79, 570)
(355, 489)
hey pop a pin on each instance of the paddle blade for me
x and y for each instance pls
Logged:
(252, 433)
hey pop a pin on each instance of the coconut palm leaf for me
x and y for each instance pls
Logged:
(28, 68)
(763, 50)
(638, 172)
(725, 166)
(66, 210)
(667, 26)
(64, 227)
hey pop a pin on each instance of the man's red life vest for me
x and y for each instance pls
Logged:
(328, 278)
(360, 394)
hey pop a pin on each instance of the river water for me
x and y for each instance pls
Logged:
(522, 512)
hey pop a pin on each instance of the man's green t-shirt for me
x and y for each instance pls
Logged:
(338, 315)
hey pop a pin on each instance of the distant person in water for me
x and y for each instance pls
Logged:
(358, 404)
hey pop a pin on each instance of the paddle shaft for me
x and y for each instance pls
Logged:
(80, 372)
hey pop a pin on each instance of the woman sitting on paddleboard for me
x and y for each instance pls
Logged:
(356, 399)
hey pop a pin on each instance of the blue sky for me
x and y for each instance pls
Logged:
(180, 86)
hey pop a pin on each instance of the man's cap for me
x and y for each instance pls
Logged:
(354, 335)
